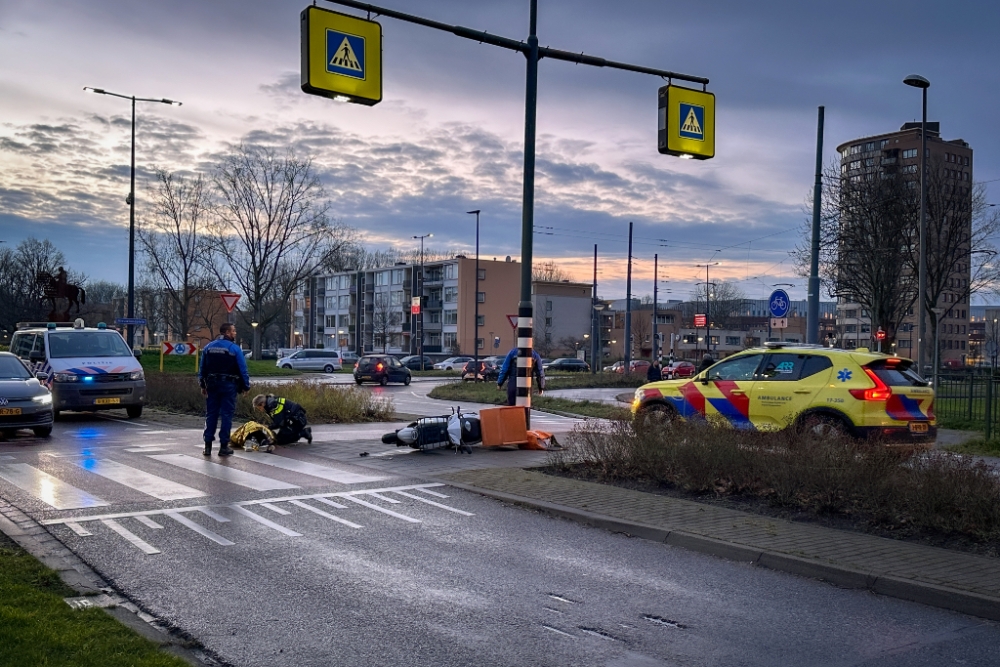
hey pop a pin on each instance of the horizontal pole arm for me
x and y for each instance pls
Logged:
(516, 45)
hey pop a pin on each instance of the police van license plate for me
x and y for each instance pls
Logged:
(6, 412)
(107, 401)
(918, 427)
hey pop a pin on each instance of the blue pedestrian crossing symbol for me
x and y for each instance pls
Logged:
(345, 54)
(692, 120)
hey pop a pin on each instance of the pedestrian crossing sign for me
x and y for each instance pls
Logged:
(341, 56)
(686, 123)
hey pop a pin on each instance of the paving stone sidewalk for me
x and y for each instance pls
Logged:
(928, 575)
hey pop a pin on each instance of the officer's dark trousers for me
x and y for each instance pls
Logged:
(288, 434)
(221, 404)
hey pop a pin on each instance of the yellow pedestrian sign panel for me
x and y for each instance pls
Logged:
(686, 123)
(341, 56)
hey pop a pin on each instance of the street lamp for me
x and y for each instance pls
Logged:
(131, 202)
(923, 84)
(420, 295)
(596, 348)
(475, 337)
(340, 342)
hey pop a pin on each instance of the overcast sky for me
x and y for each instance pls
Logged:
(448, 135)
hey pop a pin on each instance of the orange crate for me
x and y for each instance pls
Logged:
(503, 426)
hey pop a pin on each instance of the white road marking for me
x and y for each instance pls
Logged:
(429, 492)
(373, 494)
(153, 432)
(50, 490)
(212, 515)
(316, 510)
(331, 503)
(275, 508)
(306, 468)
(558, 632)
(144, 450)
(201, 530)
(435, 504)
(139, 480)
(381, 509)
(397, 452)
(225, 473)
(146, 521)
(267, 522)
(146, 547)
(78, 529)
(7, 458)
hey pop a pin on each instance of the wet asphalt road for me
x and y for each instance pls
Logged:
(321, 561)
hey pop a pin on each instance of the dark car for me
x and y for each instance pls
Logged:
(678, 369)
(269, 354)
(24, 401)
(567, 364)
(413, 363)
(488, 371)
(381, 368)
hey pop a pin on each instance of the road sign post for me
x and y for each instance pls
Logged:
(179, 349)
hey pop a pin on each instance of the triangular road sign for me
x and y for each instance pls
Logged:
(513, 321)
(229, 299)
(691, 123)
(345, 57)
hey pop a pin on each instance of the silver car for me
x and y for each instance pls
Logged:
(24, 401)
(312, 360)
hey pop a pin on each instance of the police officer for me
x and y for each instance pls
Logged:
(223, 375)
(288, 418)
(508, 373)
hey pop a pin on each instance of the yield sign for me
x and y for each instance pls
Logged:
(513, 321)
(230, 299)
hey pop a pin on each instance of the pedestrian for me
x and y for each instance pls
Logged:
(222, 376)
(288, 418)
(706, 361)
(655, 371)
(508, 373)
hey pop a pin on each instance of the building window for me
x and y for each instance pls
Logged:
(548, 306)
(903, 343)
(548, 321)
(732, 340)
(396, 299)
(397, 276)
(450, 271)
(482, 274)
(481, 297)
(450, 294)
(381, 278)
(345, 302)
(851, 313)
(481, 321)
(344, 321)
(433, 316)
(451, 316)
(910, 153)
(690, 339)
(480, 344)
(434, 338)
(449, 340)
(331, 303)
(331, 321)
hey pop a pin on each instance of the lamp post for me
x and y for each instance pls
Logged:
(131, 202)
(923, 84)
(254, 324)
(708, 306)
(420, 295)
(596, 344)
(340, 343)
(938, 312)
(475, 337)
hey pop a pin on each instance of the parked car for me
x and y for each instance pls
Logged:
(614, 368)
(381, 368)
(634, 366)
(678, 369)
(349, 358)
(952, 364)
(568, 364)
(488, 371)
(824, 390)
(413, 363)
(327, 361)
(452, 363)
(269, 354)
(27, 403)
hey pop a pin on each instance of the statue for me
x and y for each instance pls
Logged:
(58, 287)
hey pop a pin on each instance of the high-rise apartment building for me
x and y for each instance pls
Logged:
(949, 184)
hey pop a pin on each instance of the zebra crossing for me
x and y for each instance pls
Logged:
(359, 505)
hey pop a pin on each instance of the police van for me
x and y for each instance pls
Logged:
(87, 368)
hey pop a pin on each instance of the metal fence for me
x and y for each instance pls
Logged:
(970, 397)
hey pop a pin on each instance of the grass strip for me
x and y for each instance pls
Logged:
(487, 392)
(979, 446)
(184, 365)
(37, 627)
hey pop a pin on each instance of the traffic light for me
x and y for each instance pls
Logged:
(880, 335)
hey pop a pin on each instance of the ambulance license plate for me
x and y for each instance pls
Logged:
(918, 427)
(107, 401)
(6, 412)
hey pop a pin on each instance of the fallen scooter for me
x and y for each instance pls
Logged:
(460, 430)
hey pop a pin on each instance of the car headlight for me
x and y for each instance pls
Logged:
(66, 377)
(136, 375)
(43, 399)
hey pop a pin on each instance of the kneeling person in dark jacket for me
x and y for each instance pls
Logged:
(288, 419)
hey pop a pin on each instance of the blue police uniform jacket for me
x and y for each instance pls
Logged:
(223, 358)
(509, 368)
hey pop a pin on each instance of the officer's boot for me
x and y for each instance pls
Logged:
(308, 433)
(224, 450)
(208, 449)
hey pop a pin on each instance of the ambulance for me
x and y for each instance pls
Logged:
(87, 368)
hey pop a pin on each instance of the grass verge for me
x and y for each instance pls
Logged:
(325, 404)
(185, 366)
(487, 392)
(38, 628)
(934, 495)
(977, 447)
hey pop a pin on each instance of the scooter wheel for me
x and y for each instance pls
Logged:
(390, 439)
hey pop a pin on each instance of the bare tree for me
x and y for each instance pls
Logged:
(548, 272)
(173, 242)
(21, 293)
(272, 228)
(385, 319)
(542, 339)
(727, 303)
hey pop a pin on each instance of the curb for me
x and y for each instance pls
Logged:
(931, 595)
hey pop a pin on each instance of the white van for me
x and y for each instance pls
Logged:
(87, 368)
(312, 360)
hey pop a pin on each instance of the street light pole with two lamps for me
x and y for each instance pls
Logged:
(131, 202)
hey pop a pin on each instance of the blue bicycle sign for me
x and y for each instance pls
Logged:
(779, 303)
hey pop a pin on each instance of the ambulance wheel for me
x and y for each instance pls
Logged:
(654, 417)
(42, 431)
(824, 426)
(133, 411)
